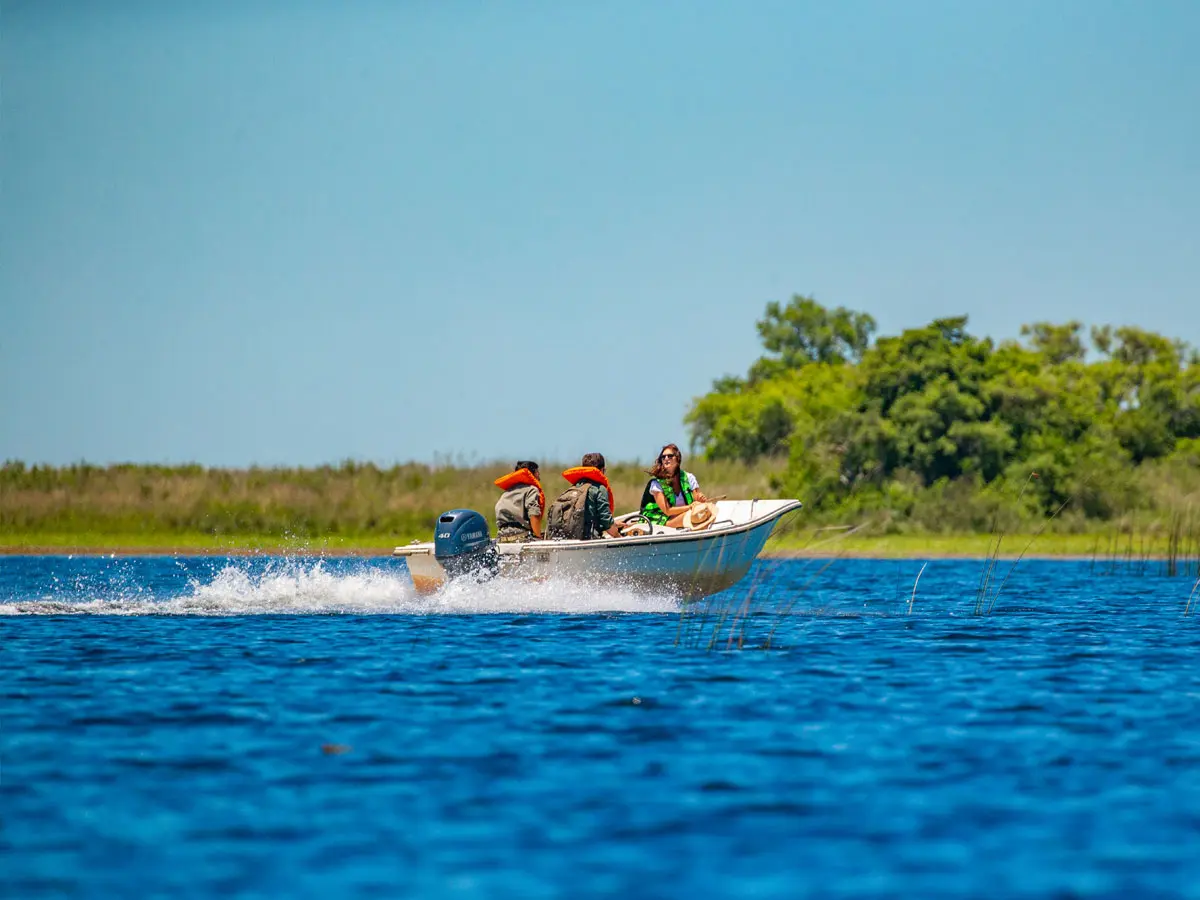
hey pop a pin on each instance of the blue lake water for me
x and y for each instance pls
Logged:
(292, 728)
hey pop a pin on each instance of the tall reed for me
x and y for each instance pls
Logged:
(399, 503)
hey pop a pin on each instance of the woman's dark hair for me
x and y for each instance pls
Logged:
(526, 464)
(593, 459)
(658, 470)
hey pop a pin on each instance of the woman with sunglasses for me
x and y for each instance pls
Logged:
(671, 491)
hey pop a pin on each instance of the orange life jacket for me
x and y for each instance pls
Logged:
(591, 473)
(522, 476)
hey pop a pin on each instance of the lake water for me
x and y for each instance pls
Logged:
(182, 727)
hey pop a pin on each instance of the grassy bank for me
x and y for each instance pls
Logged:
(351, 506)
(365, 509)
(1104, 549)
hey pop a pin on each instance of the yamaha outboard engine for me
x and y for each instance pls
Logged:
(463, 546)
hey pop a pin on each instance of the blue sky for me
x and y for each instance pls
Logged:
(288, 234)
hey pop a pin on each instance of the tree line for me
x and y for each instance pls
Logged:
(939, 425)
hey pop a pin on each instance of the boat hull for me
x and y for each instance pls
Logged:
(685, 564)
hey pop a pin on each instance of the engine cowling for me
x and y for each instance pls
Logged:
(463, 545)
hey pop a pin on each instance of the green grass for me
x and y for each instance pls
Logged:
(190, 543)
(802, 543)
(362, 508)
(350, 507)
(920, 546)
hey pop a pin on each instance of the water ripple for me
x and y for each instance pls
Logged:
(177, 727)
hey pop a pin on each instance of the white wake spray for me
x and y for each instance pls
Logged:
(304, 587)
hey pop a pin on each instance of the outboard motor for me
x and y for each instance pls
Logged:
(463, 545)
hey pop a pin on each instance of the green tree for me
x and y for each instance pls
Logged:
(1057, 343)
(923, 408)
(761, 418)
(747, 418)
(805, 332)
(935, 424)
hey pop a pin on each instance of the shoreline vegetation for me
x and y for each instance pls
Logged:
(909, 547)
(929, 443)
(363, 510)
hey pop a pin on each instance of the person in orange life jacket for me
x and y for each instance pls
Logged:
(520, 509)
(599, 496)
(671, 491)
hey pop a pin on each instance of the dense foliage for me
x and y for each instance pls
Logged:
(944, 430)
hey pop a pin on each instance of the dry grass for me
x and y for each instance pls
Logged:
(351, 500)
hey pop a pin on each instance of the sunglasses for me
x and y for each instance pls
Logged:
(669, 456)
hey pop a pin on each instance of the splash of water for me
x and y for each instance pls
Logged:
(310, 588)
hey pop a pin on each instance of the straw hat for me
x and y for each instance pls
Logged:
(699, 516)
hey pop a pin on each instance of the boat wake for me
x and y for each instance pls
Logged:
(303, 587)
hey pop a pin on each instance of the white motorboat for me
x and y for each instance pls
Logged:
(686, 563)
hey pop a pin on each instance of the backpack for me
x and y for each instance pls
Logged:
(567, 518)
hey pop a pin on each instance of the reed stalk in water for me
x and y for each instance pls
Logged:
(787, 610)
(913, 598)
(1025, 549)
(989, 569)
(1187, 609)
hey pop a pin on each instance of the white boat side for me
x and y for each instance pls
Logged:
(690, 564)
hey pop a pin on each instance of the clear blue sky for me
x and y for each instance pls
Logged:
(292, 233)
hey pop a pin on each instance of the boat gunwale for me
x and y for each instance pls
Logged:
(426, 547)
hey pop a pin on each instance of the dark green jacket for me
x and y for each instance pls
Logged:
(599, 511)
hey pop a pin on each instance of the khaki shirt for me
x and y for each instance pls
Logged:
(515, 506)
